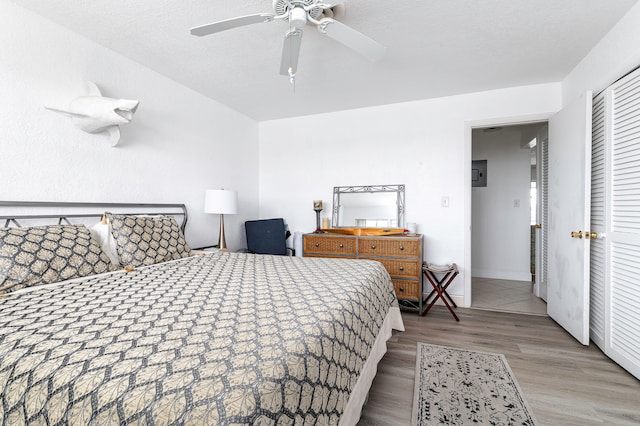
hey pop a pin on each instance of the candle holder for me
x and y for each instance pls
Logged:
(317, 207)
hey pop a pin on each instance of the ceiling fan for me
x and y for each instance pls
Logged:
(299, 13)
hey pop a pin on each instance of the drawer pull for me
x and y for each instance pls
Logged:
(373, 246)
(402, 268)
(401, 248)
(317, 244)
(341, 245)
(401, 289)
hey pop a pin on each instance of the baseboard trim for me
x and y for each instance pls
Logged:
(501, 275)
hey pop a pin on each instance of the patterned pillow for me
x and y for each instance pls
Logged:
(147, 240)
(47, 254)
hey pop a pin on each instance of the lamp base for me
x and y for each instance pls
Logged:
(318, 229)
(222, 243)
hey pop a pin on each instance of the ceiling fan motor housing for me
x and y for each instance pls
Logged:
(296, 7)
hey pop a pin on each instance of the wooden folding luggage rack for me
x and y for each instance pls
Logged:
(449, 272)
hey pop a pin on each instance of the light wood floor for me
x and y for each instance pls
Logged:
(564, 382)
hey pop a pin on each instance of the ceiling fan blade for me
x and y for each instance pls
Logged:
(353, 39)
(329, 3)
(228, 24)
(291, 52)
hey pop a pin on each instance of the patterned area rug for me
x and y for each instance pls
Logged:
(461, 387)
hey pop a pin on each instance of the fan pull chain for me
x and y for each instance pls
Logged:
(292, 75)
(292, 79)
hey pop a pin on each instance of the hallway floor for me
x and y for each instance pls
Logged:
(506, 296)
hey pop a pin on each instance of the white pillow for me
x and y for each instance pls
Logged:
(102, 233)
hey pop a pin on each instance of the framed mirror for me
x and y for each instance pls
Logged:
(376, 206)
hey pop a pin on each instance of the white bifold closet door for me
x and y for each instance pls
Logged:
(542, 233)
(598, 262)
(615, 259)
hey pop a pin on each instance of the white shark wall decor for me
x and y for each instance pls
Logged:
(95, 113)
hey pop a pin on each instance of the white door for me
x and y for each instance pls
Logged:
(569, 213)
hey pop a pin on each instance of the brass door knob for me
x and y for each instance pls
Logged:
(576, 234)
(592, 235)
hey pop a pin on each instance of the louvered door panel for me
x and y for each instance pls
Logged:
(544, 187)
(626, 157)
(598, 217)
(623, 236)
(625, 300)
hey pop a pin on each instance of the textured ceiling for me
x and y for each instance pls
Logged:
(435, 48)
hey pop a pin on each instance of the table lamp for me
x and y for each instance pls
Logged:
(317, 206)
(221, 201)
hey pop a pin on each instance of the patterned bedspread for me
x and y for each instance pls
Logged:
(219, 339)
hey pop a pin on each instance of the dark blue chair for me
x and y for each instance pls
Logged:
(267, 236)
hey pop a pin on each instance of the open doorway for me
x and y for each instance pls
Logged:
(507, 202)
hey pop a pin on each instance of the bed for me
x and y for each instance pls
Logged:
(224, 338)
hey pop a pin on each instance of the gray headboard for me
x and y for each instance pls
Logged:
(23, 213)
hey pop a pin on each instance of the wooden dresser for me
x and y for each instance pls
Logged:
(401, 255)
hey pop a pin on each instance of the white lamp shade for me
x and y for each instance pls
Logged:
(221, 201)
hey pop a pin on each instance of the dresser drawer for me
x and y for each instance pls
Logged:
(330, 255)
(330, 245)
(406, 289)
(400, 267)
(387, 246)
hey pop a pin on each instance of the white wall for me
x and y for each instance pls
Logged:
(178, 144)
(419, 144)
(500, 231)
(615, 55)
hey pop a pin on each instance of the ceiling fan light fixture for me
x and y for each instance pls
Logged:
(298, 17)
